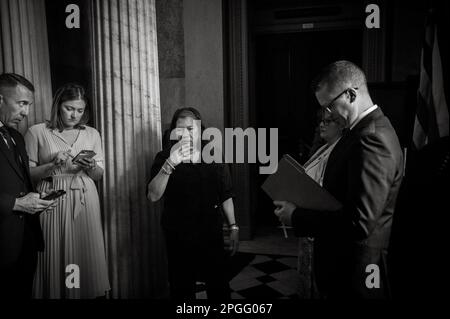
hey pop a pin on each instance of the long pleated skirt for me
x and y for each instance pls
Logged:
(73, 264)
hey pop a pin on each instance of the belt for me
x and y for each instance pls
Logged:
(78, 186)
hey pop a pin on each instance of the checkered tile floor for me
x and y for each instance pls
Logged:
(265, 277)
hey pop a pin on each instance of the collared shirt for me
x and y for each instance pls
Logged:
(363, 115)
(316, 165)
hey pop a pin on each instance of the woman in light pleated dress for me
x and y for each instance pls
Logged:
(73, 231)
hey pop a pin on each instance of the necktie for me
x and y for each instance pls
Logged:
(9, 142)
(6, 136)
(345, 131)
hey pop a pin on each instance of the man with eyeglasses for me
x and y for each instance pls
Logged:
(364, 173)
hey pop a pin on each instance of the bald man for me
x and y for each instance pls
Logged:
(364, 173)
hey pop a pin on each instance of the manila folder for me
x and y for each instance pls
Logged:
(291, 183)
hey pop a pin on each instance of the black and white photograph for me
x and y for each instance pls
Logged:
(223, 158)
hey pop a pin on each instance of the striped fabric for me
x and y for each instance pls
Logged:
(431, 120)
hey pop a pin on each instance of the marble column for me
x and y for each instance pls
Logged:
(127, 104)
(237, 104)
(24, 50)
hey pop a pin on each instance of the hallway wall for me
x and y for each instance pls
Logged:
(204, 59)
(169, 22)
(190, 50)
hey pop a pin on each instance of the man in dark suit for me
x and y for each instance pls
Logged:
(20, 231)
(364, 173)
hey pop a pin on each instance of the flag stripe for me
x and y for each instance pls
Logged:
(438, 92)
(422, 112)
(432, 118)
(419, 135)
(426, 60)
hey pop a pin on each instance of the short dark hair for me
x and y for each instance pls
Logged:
(339, 72)
(68, 92)
(11, 80)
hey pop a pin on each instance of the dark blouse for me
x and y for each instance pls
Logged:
(194, 194)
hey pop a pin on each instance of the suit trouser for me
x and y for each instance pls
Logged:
(16, 280)
(358, 279)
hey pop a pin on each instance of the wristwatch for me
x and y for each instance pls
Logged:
(233, 227)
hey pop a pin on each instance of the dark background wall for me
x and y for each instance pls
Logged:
(69, 48)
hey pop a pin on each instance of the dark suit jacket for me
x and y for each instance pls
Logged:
(15, 180)
(364, 173)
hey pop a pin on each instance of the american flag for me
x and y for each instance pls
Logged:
(431, 120)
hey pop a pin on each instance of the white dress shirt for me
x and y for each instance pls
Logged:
(363, 115)
(316, 165)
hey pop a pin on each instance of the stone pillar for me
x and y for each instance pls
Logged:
(237, 105)
(24, 50)
(127, 104)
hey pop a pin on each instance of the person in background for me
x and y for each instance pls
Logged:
(331, 128)
(195, 193)
(20, 206)
(73, 232)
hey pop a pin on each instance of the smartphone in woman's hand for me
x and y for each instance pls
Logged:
(82, 155)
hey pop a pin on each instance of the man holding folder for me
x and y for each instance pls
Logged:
(364, 174)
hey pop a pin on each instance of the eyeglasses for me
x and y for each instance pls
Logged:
(330, 106)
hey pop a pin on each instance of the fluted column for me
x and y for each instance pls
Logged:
(238, 104)
(24, 50)
(127, 104)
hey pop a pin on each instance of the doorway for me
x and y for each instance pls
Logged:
(284, 66)
(70, 49)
